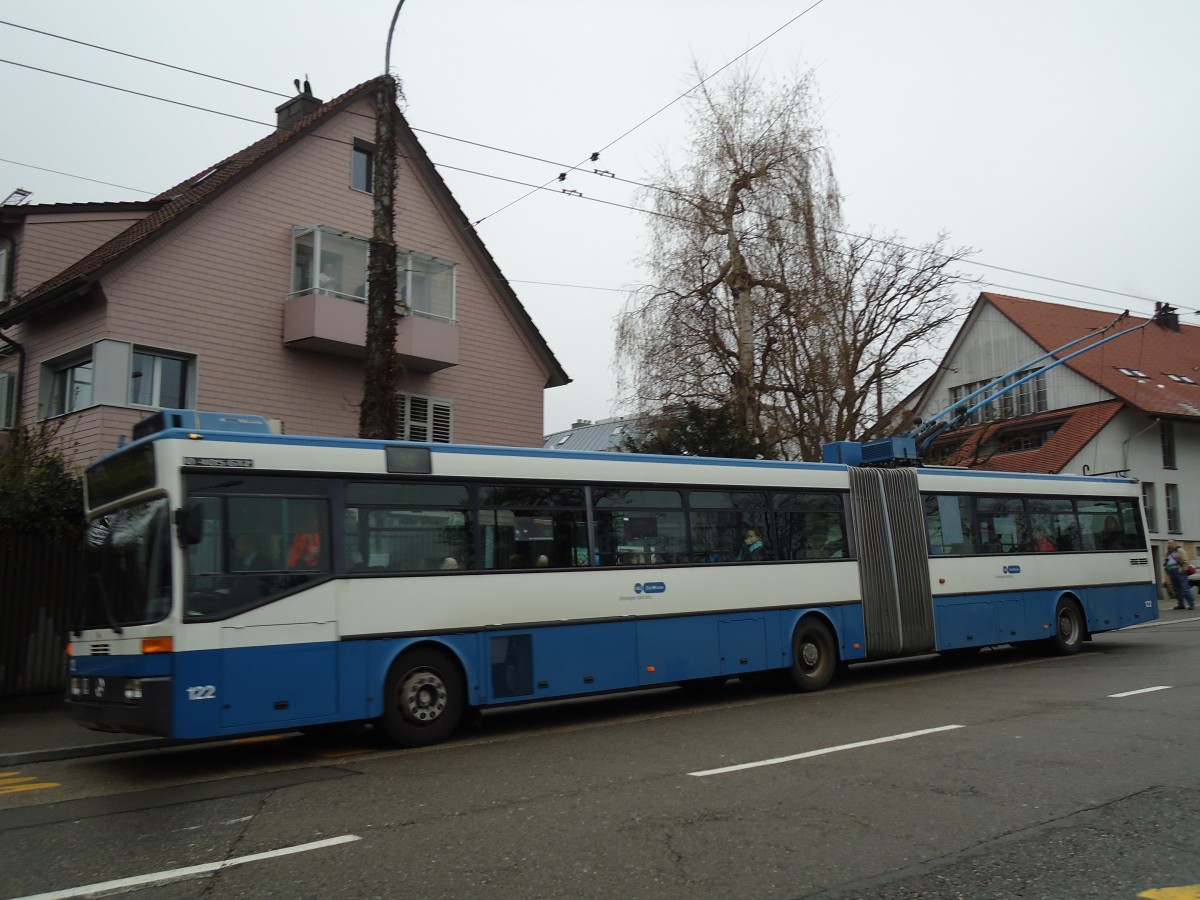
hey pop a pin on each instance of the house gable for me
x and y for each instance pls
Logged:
(203, 281)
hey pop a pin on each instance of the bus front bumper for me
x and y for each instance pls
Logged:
(123, 705)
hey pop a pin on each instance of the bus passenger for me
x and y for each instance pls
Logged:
(1112, 537)
(248, 555)
(753, 549)
(305, 552)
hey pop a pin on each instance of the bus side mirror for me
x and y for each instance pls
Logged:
(189, 521)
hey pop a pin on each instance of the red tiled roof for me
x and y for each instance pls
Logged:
(1154, 350)
(1079, 425)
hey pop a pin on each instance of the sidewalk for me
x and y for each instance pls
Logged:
(36, 729)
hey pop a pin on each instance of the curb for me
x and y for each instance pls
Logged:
(37, 756)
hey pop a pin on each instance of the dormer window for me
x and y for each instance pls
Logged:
(1182, 379)
(1132, 373)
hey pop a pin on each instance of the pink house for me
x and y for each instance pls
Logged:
(243, 289)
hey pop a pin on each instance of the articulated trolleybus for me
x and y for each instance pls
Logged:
(241, 581)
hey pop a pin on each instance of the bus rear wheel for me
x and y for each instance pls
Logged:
(1068, 628)
(814, 655)
(424, 698)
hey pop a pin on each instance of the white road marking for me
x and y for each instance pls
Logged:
(1161, 687)
(825, 751)
(137, 881)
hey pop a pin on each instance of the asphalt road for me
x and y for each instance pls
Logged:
(1010, 775)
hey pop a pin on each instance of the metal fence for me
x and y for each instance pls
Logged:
(41, 583)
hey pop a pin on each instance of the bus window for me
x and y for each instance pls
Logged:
(1054, 526)
(631, 532)
(408, 540)
(948, 525)
(243, 556)
(398, 527)
(1105, 526)
(534, 527)
(720, 521)
(809, 526)
(1001, 524)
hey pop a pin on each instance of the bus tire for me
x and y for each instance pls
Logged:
(1068, 628)
(424, 698)
(814, 655)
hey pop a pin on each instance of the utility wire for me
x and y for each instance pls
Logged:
(135, 93)
(144, 59)
(533, 188)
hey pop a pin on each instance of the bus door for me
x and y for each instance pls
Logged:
(893, 562)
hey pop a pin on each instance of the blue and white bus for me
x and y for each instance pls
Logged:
(241, 581)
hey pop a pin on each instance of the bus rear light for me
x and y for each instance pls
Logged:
(156, 645)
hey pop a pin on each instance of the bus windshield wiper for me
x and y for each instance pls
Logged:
(108, 611)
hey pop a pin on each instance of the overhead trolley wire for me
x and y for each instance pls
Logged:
(533, 188)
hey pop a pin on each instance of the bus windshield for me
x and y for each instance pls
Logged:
(128, 563)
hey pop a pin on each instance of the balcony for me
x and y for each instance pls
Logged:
(325, 323)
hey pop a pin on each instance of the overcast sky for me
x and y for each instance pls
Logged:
(1059, 138)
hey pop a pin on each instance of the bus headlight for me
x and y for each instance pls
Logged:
(133, 689)
(76, 687)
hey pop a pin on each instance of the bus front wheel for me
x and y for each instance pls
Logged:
(814, 655)
(424, 698)
(1068, 628)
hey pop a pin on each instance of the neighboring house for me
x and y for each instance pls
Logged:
(1131, 406)
(605, 434)
(243, 289)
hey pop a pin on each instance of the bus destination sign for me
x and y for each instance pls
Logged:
(218, 462)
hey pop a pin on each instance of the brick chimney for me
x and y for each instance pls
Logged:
(289, 113)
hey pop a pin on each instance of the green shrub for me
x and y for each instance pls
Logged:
(40, 490)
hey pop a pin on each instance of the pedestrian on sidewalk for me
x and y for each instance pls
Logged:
(1177, 565)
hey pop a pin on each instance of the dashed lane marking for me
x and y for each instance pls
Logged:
(120, 884)
(811, 753)
(1160, 687)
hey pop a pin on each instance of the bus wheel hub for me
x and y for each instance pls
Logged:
(422, 697)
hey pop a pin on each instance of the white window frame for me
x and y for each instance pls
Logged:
(1170, 459)
(156, 377)
(413, 281)
(66, 394)
(426, 419)
(5, 265)
(364, 171)
(1150, 505)
(8, 400)
(338, 250)
(1174, 525)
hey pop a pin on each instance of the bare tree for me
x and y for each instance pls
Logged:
(759, 300)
